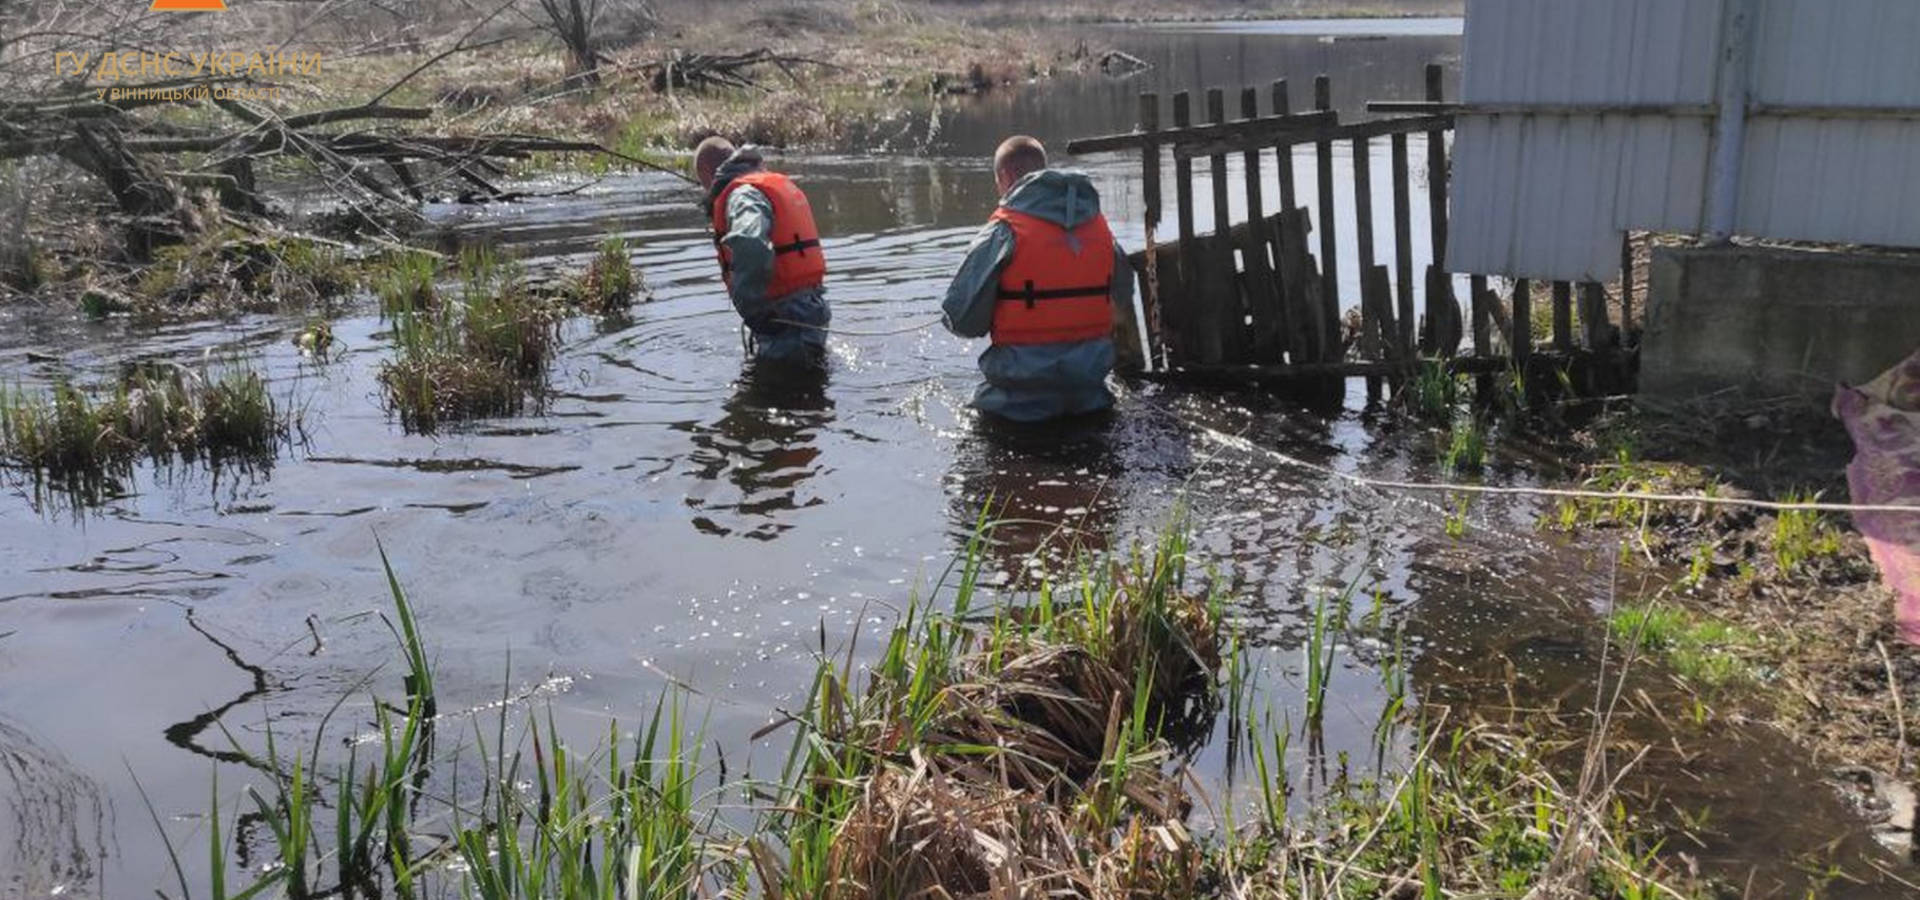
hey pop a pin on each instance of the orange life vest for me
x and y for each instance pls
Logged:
(1055, 288)
(798, 263)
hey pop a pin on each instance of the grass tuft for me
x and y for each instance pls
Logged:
(77, 437)
(229, 268)
(479, 357)
(610, 284)
(1802, 537)
(1700, 648)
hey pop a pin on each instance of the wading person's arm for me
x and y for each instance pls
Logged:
(969, 305)
(749, 226)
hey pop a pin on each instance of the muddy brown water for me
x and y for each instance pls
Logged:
(672, 515)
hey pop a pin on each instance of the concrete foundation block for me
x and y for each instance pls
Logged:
(1775, 322)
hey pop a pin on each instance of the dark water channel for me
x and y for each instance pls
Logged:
(672, 516)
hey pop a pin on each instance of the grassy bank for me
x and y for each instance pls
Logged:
(1785, 607)
(1000, 746)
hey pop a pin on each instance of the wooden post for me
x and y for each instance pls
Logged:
(1482, 316)
(1283, 105)
(1562, 316)
(1226, 324)
(1150, 191)
(1329, 248)
(1626, 286)
(1593, 315)
(1376, 329)
(1403, 241)
(1437, 189)
(1263, 296)
(1189, 256)
(1482, 302)
(1521, 340)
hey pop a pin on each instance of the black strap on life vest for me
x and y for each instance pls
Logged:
(798, 245)
(1030, 295)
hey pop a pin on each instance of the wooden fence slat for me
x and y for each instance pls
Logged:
(1329, 248)
(1376, 293)
(1183, 306)
(1562, 316)
(1226, 324)
(1626, 286)
(1483, 304)
(1150, 190)
(1377, 330)
(1283, 155)
(1520, 341)
(1593, 315)
(1299, 282)
(1403, 241)
(1437, 189)
(1263, 296)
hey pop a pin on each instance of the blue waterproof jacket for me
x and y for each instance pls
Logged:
(749, 238)
(1035, 382)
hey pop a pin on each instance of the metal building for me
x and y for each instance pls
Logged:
(1583, 119)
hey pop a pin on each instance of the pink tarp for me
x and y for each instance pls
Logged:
(1883, 416)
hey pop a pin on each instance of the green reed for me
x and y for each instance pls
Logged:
(1050, 726)
(77, 436)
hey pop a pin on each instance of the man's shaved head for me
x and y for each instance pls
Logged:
(1018, 157)
(708, 156)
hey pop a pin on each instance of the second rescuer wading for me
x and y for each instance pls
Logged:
(1042, 280)
(770, 253)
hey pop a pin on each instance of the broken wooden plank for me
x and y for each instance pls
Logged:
(1337, 132)
(1262, 289)
(1262, 130)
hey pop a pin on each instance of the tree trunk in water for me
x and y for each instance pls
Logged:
(152, 204)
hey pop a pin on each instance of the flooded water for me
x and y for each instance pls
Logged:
(672, 515)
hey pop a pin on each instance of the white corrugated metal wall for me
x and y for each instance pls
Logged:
(1545, 180)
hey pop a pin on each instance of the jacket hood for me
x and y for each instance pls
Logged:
(742, 162)
(1065, 197)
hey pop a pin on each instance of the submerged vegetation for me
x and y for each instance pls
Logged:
(1033, 746)
(76, 437)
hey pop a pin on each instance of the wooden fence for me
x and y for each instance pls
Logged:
(1256, 300)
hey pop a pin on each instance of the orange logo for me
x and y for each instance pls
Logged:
(189, 5)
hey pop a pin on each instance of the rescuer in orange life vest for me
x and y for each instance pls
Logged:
(770, 254)
(1043, 279)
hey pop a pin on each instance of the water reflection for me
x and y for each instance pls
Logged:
(1051, 489)
(53, 836)
(764, 447)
